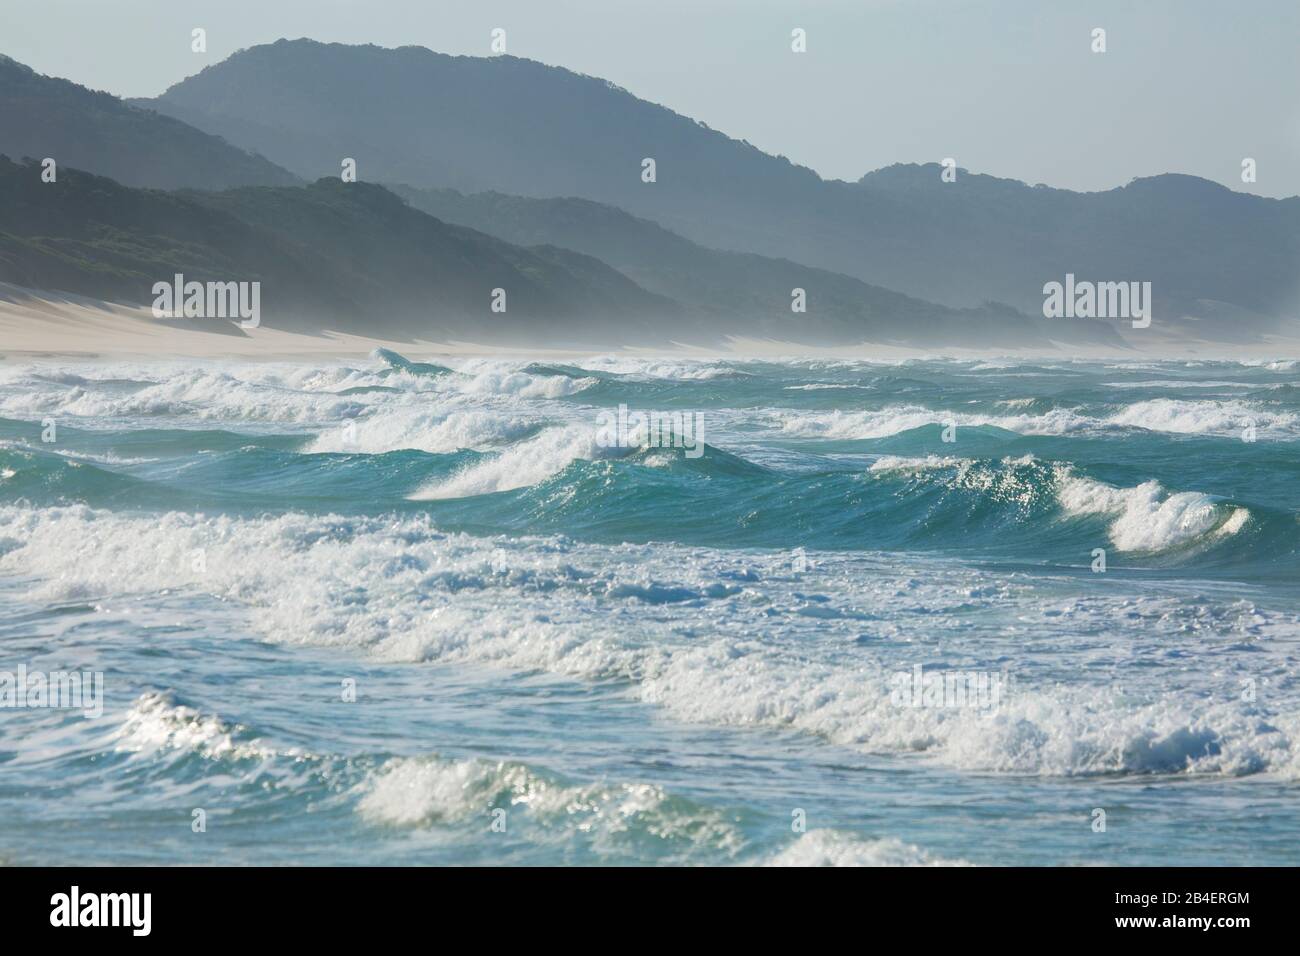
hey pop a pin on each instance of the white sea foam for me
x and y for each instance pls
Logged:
(425, 791)
(652, 368)
(825, 386)
(1148, 518)
(894, 419)
(413, 792)
(156, 722)
(422, 430)
(401, 590)
(522, 465)
(271, 392)
(1206, 417)
(1223, 418)
(1185, 383)
(896, 463)
(1059, 730)
(482, 377)
(1273, 365)
(1145, 518)
(202, 394)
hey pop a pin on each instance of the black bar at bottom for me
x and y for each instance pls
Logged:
(334, 906)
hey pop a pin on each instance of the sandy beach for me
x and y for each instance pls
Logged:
(38, 323)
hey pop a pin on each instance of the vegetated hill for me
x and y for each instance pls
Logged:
(41, 116)
(332, 255)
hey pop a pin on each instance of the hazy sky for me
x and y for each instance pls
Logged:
(1007, 87)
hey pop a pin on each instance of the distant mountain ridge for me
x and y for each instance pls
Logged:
(42, 116)
(737, 290)
(514, 126)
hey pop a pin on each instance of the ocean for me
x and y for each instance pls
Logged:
(385, 611)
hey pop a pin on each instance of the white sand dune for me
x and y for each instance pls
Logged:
(60, 323)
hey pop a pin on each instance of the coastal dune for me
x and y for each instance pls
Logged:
(59, 323)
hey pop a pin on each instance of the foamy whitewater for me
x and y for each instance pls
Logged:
(399, 611)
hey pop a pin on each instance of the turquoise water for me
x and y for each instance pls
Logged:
(641, 654)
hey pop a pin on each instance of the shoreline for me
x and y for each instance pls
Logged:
(40, 324)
